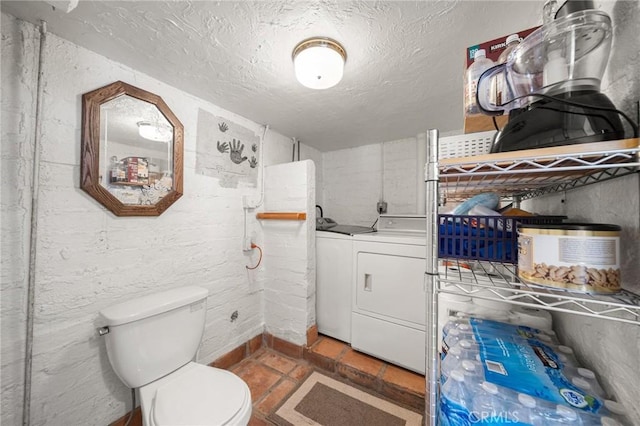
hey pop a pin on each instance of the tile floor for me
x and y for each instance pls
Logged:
(272, 376)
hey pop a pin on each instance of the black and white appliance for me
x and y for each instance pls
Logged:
(552, 84)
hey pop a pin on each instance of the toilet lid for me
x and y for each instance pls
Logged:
(201, 396)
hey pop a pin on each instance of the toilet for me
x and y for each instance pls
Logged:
(151, 344)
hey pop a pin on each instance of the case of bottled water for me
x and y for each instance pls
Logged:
(500, 373)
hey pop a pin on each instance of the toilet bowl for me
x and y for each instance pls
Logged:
(196, 395)
(151, 343)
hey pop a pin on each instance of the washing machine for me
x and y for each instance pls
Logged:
(334, 275)
(388, 297)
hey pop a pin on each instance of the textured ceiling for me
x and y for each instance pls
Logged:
(403, 73)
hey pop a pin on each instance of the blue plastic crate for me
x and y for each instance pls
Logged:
(490, 238)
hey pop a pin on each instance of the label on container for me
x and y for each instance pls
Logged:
(594, 250)
(589, 264)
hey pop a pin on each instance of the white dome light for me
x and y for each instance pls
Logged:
(155, 132)
(319, 62)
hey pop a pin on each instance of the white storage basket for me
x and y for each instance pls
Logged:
(466, 145)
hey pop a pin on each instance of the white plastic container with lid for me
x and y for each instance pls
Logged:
(480, 64)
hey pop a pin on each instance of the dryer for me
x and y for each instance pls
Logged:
(388, 297)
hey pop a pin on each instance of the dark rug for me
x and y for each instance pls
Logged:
(321, 400)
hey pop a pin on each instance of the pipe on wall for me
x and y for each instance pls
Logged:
(33, 231)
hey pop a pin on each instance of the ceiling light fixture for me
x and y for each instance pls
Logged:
(319, 62)
(155, 132)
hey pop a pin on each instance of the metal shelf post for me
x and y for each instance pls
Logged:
(431, 280)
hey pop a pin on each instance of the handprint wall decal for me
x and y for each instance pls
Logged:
(236, 152)
(225, 150)
(223, 147)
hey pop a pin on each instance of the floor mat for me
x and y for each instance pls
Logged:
(323, 401)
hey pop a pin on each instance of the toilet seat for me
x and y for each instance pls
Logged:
(201, 395)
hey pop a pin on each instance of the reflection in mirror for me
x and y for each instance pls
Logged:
(132, 147)
(136, 144)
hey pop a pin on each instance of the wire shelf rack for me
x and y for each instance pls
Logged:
(532, 173)
(499, 282)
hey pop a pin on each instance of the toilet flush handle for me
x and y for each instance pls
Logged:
(103, 330)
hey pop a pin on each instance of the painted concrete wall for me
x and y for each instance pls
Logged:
(87, 258)
(289, 288)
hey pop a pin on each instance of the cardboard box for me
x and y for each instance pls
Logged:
(137, 170)
(483, 123)
(493, 49)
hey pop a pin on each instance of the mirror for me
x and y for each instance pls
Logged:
(132, 146)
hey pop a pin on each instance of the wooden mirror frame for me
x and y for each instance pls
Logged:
(90, 154)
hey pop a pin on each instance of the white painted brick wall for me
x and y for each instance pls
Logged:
(352, 181)
(87, 258)
(352, 184)
(289, 251)
(609, 348)
(400, 176)
(18, 102)
(351, 187)
(309, 153)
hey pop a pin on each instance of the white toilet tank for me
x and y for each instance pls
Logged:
(151, 336)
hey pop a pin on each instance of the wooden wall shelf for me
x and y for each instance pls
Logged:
(282, 216)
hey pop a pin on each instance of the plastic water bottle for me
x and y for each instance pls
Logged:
(562, 415)
(618, 414)
(503, 92)
(488, 405)
(472, 369)
(566, 355)
(455, 404)
(469, 348)
(455, 323)
(452, 339)
(454, 359)
(449, 303)
(480, 64)
(526, 411)
(609, 421)
(583, 385)
(585, 379)
(450, 363)
(512, 42)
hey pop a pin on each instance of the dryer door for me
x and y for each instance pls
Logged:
(390, 282)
